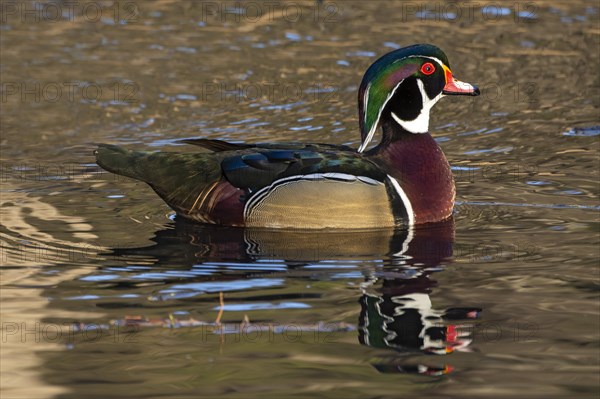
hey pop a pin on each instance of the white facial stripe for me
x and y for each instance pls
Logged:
(366, 101)
(430, 58)
(374, 127)
(421, 123)
(364, 144)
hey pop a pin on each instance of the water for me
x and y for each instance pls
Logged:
(106, 294)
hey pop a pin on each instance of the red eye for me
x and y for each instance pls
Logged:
(428, 68)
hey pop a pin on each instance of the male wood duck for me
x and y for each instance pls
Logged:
(404, 180)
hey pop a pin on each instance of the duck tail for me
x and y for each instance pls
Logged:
(121, 161)
(178, 178)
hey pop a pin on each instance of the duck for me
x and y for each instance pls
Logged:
(404, 180)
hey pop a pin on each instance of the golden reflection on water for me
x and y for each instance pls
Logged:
(27, 250)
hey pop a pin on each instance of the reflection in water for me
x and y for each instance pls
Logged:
(396, 265)
(399, 313)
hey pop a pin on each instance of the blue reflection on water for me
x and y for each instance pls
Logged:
(239, 307)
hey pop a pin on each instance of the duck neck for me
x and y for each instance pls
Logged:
(394, 132)
(417, 162)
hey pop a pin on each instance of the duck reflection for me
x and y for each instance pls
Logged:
(396, 310)
(188, 243)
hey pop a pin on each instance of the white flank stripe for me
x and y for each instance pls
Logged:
(405, 201)
(409, 212)
(368, 180)
(339, 176)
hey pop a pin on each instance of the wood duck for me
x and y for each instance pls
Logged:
(404, 180)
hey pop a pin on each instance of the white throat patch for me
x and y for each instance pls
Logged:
(421, 123)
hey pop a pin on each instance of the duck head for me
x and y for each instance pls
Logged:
(403, 86)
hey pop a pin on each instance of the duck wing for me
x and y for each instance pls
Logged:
(215, 186)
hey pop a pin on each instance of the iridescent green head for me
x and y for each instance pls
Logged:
(403, 85)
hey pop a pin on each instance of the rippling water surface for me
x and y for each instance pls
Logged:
(106, 294)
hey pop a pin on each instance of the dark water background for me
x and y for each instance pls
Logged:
(105, 295)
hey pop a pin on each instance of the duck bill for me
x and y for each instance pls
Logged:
(455, 87)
